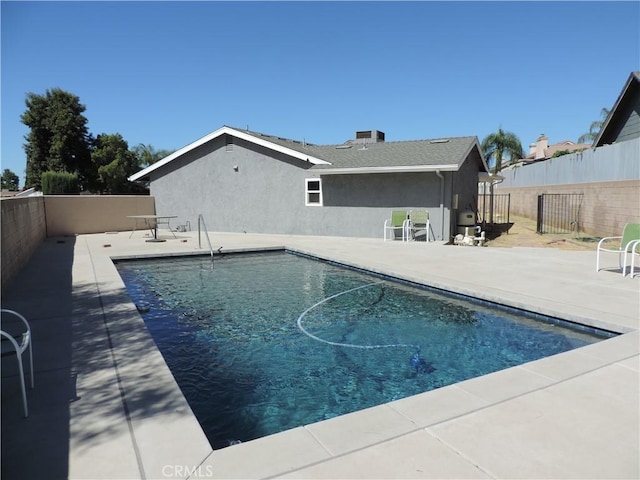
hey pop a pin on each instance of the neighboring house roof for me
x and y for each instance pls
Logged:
(29, 192)
(350, 158)
(626, 106)
(566, 145)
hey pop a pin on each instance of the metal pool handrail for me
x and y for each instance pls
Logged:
(206, 232)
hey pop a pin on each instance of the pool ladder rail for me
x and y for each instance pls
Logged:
(206, 233)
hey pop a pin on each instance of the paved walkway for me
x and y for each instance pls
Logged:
(106, 406)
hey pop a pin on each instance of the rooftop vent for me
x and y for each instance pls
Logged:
(369, 136)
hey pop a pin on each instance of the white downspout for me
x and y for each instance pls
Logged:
(441, 203)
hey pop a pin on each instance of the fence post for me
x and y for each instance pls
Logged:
(539, 216)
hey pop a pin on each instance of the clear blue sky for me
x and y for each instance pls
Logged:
(167, 73)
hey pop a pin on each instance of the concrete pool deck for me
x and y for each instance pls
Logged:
(106, 406)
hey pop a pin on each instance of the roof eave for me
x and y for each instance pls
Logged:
(394, 169)
(227, 131)
(476, 145)
(278, 148)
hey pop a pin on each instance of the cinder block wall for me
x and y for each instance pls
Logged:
(23, 228)
(606, 206)
(77, 214)
(26, 222)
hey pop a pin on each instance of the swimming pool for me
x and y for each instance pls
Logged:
(267, 342)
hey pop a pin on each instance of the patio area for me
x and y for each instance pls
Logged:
(106, 406)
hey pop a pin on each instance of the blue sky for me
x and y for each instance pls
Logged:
(168, 73)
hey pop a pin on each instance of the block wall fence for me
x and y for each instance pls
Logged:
(605, 208)
(23, 229)
(26, 222)
(608, 177)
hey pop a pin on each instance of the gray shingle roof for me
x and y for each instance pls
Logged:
(395, 154)
(381, 157)
(411, 153)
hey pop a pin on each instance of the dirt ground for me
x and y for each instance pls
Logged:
(523, 234)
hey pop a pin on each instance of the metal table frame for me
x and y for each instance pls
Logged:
(151, 223)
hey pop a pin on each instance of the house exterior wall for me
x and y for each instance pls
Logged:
(624, 123)
(630, 129)
(248, 188)
(244, 189)
(466, 184)
(364, 202)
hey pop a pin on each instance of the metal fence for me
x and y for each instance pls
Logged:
(501, 208)
(559, 213)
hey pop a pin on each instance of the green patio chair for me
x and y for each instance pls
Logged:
(398, 221)
(418, 225)
(630, 235)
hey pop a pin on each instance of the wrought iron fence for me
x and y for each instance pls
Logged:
(501, 208)
(559, 213)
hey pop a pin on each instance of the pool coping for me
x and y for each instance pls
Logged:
(422, 436)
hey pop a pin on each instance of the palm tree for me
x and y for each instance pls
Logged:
(148, 155)
(498, 144)
(594, 128)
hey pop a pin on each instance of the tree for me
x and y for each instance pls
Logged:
(594, 128)
(498, 144)
(114, 163)
(59, 183)
(148, 155)
(59, 140)
(10, 180)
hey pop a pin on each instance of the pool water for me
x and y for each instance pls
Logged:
(266, 342)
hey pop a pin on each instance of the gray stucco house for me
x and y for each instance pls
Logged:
(244, 181)
(623, 122)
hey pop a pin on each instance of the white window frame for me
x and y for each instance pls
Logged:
(308, 192)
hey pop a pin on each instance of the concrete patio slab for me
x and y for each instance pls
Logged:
(266, 457)
(360, 429)
(415, 455)
(438, 405)
(574, 429)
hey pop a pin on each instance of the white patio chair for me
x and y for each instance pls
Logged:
(16, 344)
(630, 234)
(634, 251)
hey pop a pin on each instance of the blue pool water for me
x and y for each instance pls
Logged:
(266, 342)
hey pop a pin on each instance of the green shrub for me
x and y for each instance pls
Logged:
(59, 183)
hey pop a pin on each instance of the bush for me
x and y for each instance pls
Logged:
(59, 183)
